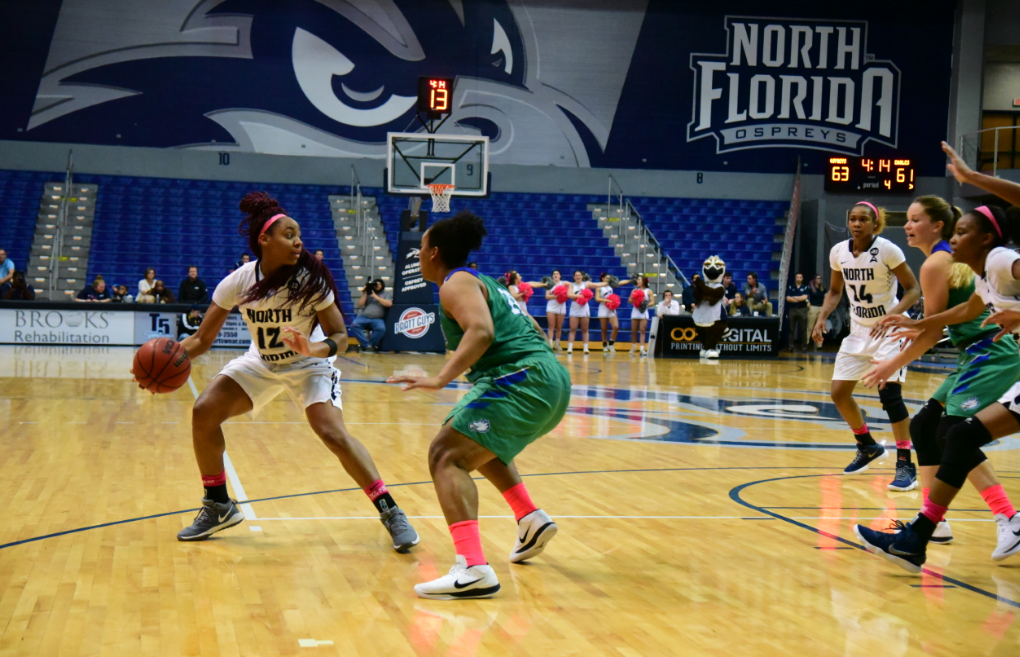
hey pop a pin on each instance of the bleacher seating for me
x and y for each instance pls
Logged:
(20, 192)
(171, 224)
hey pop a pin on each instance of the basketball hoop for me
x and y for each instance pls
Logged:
(441, 196)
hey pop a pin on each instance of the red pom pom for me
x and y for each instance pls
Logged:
(612, 302)
(637, 296)
(560, 292)
(586, 295)
(526, 290)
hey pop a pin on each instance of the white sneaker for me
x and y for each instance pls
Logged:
(1008, 535)
(612, 349)
(702, 354)
(643, 352)
(570, 348)
(463, 583)
(534, 531)
(712, 353)
(586, 349)
(942, 535)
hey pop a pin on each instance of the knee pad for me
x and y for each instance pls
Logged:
(923, 431)
(891, 397)
(963, 451)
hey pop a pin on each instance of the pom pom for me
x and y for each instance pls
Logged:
(586, 277)
(612, 302)
(560, 292)
(526, 290)
(586, 295)
(613, 281)
(502, 281)
(637, 296)
(546, 281)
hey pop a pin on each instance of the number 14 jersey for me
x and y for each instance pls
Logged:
(870, 282)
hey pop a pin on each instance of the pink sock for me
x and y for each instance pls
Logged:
(208, 481)
(468, 542)
(376, 489)
(860, 432)
(997, 500)
(924, 493)
(933, 511)
(903, 444)
(519, 500)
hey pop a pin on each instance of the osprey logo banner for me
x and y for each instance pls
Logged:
(794, 83)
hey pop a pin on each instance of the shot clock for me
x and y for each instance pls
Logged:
(435, 95)
(868, 174)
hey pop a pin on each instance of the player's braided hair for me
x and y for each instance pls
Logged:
(309, 281)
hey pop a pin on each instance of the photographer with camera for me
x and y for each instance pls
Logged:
(371, 308)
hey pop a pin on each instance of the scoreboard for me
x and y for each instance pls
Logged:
(435, 95)
(868, 174)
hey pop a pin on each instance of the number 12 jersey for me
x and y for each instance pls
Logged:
(870, 282)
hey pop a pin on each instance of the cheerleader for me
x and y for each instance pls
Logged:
(555, 311)
(513, 282)
(639, 315)
(607, 316)
(579, 294)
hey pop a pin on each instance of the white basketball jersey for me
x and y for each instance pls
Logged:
(267, 317)
(997, 287)
(870, 282)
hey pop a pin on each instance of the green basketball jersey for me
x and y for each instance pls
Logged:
(966, 331)
(515, 336)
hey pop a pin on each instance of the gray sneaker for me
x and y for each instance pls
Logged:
(403, 534)
(213, 517)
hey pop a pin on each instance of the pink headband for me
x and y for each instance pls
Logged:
(873, 208)
(270, 223)
(991, 217)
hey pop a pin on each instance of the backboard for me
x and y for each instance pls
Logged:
(415, 160)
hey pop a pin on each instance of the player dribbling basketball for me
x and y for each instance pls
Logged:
(284, 295)
(520, 393)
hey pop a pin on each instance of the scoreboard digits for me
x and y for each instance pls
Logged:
(865, 174)
(434, 95)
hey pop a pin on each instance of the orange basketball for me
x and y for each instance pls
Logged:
(161, 365)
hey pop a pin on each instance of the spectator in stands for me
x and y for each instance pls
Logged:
(120, 294)
(162, 294)
(669, 305)
(729, 286)
(19, 289)
(372, 306)
(816, 297)
(6, 271)
(797, 302)
(245, 259)
(145, 294)
(187, 323)
(95, 292)
(739, 307)
(757, 296)
(193, 289)
(687, 301)
(473, 265)
(319, 254)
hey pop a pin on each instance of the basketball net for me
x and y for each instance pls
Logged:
(441, 196)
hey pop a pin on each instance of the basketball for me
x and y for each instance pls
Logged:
(161, 365)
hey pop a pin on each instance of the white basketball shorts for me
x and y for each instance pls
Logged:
(308, 381)
(859, 348)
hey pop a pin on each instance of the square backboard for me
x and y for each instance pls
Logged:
(417, 159)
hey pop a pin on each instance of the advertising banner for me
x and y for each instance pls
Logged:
(746, 337)
(414, 328)
(410, 287)
(67, 327)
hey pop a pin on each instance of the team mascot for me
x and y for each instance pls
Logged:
(708, 313)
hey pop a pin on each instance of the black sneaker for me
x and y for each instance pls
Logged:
(213, 517)
(865, 455)
(904, 548)
(403, 534)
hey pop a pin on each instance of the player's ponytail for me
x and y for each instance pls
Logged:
(456, 237)
(937, 209)
(309, 281)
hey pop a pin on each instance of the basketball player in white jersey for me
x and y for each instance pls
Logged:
(284, 295)
(870, 266)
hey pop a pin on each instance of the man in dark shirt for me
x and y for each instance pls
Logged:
(95, 292)
(192, 288)
(729, 286)
(816, 297)
(687, 298)
(797, 302)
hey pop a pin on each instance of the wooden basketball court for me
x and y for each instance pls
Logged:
(701, 512)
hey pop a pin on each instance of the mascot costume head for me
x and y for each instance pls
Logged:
(713, 269)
